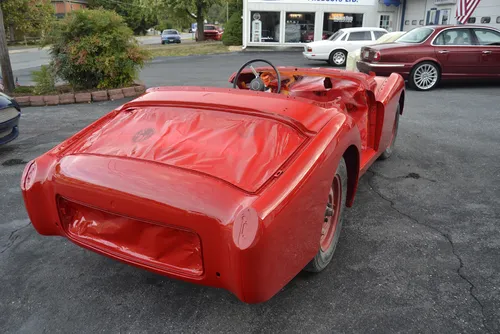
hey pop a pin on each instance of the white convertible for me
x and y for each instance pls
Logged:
(355, 55)
(334, 50)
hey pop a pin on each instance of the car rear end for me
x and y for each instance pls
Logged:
(383, 61)
(167, 189)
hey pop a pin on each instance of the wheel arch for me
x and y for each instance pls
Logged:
(351, 158)
(402, 102)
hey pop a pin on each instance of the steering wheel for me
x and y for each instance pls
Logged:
(257, 84)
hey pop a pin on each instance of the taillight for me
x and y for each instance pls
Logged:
(376, 56)
(309, 49)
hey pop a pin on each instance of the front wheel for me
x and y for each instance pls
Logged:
(338, 58)
(425, 76)
(332, 220)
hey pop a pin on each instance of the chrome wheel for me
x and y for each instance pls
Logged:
(425, 76)
(338, 58)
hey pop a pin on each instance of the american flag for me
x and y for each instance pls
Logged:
(465, 8)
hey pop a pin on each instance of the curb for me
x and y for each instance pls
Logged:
(69, 98)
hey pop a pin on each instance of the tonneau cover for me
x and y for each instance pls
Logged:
(243, 150)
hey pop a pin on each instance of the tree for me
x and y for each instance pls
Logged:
(28, 16)
(138, 14)
(195, 9)
(233, 31)
(8, 77)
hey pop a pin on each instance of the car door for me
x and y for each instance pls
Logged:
(457, 52)
(489, 42)
(357, 39)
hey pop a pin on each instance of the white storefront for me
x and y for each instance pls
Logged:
(293, 22)
(425, 12)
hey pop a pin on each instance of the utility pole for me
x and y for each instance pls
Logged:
(227, 11)
(8, 77)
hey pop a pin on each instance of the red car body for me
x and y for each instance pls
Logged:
(475, 56)
(211, 32)
(215, 186)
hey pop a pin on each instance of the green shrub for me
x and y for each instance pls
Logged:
(95, 49)
(45, 80)
(232, 32)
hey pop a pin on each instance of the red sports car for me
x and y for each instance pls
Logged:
(428, 54)
(236, 188)
(211, 32)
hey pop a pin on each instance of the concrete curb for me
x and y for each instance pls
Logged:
(69, 98)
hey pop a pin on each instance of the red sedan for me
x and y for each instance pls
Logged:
(211, 32)
(426, 55)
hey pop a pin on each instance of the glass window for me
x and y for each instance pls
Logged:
(332, 22)
(407, 22)
(471, 20)
(378, 34)
(454, 37)
(336, 35)
(417, 35)
(299, 27)
(265, 27)
(360, 36)
(385, 21)
(169, 32)
(414, 22)
(485, 19)
(487, 36)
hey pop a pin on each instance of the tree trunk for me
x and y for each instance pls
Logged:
(200, 24)
(8, 77)
(11, 33)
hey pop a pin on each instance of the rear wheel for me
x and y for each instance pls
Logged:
(338, 58)
(388, 151)
(332, 221)
(425, 76)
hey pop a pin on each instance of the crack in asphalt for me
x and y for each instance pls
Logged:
(444, 235)
(13, 237)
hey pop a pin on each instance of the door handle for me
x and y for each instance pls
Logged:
(487, 52)
(443, 51)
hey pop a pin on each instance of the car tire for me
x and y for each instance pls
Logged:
(162, 42)
(330, 231)
(337, 58)
(388, 151)
(425, 76)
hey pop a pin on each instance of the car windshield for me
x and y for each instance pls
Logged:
(169, 32)
(417, 35)
(209, 27)
(336, 35)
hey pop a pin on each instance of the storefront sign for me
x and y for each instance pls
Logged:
(325, 2)
(445, 2)
(340, 17)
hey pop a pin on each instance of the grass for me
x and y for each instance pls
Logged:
(186, 49)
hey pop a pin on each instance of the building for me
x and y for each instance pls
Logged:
(65, 6)
(293, 22)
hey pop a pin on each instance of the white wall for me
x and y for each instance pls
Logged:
(369, 8)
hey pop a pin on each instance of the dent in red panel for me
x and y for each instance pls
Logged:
(158, 245)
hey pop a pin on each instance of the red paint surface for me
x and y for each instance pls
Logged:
(227, 189)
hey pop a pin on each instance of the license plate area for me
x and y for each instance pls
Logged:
(139, 242)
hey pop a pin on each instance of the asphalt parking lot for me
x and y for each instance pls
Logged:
(419, 251)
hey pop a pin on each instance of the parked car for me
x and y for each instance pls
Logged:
(236, 188)
(354, 56)
(308, 36)
(334, 50)
(170, 36)
(10, 113)
(426, 55)
(211, 32)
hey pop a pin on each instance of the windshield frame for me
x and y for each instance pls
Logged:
(432, 30)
